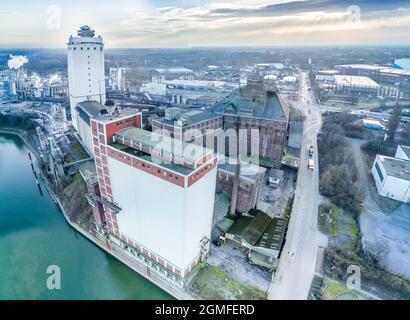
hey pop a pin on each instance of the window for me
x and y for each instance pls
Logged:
(379, 172)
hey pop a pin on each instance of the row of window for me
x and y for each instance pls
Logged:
(88, 48)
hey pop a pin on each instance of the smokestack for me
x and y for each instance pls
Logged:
(235, 186)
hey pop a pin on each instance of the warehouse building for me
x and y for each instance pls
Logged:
(357, 85)
(392, 175)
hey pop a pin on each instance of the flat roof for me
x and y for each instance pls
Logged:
(124, 112)
(355, 80)
(395, 167)
(173, 70)
(196, 83)
(190, 117)
(144, 156)
(382, 69)
(93, 109)
(249, 171)
(189, 152)
(361, 66)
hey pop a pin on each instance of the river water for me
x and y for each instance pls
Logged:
(34, 235)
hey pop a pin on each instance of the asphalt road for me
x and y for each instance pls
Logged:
(298, 260)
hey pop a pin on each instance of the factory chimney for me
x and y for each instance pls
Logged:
(235, 186)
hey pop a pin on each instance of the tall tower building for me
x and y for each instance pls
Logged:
(86, 76)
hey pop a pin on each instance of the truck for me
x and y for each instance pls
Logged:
(311, 164)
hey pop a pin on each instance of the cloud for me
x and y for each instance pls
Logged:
(15, 62)
(239, 23)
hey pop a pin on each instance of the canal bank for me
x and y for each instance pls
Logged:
(34, 235)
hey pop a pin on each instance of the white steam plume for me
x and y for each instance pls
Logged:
(16, 62)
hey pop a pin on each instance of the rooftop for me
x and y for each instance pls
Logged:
(395, 167)
(196, 83)
(95, 110)
(274, 234)
(173, 70)
(376, 68)
(249, 171)
(272, 107)
(147, 157)
(190, 117)
(356, 81)
(188, 152)
(249, 228)
(92, 109)
(361, 66)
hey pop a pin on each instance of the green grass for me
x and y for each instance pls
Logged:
(212, 283)
(334, 290)
(79, 150)
(342, 228)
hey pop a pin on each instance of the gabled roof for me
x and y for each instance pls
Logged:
(250, 229)
(272, 107)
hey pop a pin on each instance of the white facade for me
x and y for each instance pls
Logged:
(84, 130)
(388, 184)
(403, 152)
(168, 219)
(86, 77)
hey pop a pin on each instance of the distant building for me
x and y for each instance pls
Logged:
(117, 78)
(378, 73)
(326, 75)
(392, 175)
(86, 78)
(356, 85)
(372, 124)
(187, 92)
(190, 126)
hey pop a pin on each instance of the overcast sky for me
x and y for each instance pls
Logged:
(189, 23)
